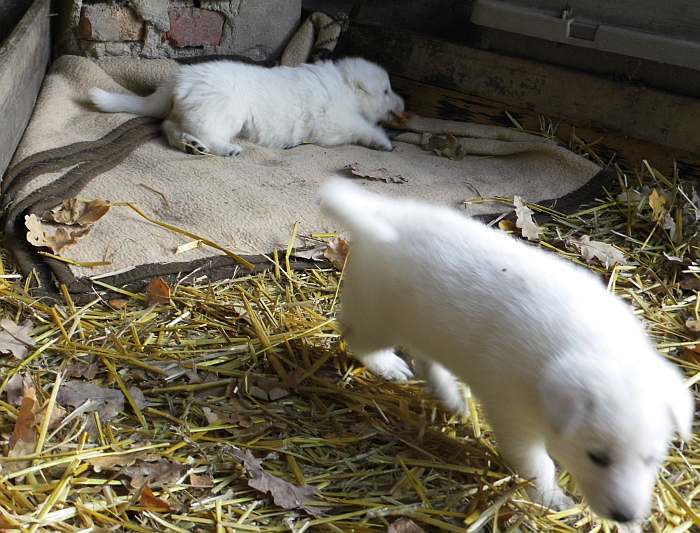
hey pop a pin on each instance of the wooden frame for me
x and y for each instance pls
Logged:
(585, 100)
(24, 57)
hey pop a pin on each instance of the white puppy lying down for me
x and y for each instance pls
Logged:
(560, 365)
(209, 104)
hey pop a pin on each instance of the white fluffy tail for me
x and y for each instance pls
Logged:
(155, 105)
(359, 211)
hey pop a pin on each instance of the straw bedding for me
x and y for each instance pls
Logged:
(233, 406)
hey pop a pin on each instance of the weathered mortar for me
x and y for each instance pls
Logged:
(176, 28)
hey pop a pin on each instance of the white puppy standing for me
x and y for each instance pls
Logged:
(560, 365)
(210, 104)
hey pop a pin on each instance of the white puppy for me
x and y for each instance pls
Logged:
(561, 366)
(209, 104)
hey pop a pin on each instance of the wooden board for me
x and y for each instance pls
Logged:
(579, 98)
(24, 57)
(431, 101)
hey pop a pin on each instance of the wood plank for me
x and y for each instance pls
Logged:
(24, 57)
(579, 98)
(431, 101)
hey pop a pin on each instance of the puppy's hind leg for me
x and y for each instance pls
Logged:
(181, 140)
(210, 134)
(442, 384)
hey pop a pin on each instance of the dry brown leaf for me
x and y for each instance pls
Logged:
(693, 325)
(670, 225)
(404, 525)
(107, 402)
(151, 502)
(77, 212)
(242, 420)
(607, 254)
(524, 221)
(285, 494)
(337, 251)
(211, 416)
(15, 388)
(692, 354)
(294, 378)
(118, 303)
(314, 254)
(118, 462)
(15, 338)
(82, 370)
(266, 389)
(690, 283)
(657, 202)
(139, 397)
(58, 413)
(630, 196)
(443, 144)
(201, 481)
(26, 419)
(23, 438)
(156, 474)
(158, 292)
(41, 236)
(506, 225)
(378, 174)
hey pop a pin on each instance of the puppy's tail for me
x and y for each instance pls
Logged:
(359, 211)
(156, 105)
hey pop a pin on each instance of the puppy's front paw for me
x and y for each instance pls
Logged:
(554, 499)
(384, 146)
(388, 365)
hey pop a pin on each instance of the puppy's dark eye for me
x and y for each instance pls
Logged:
(600, 459)
(386, 91)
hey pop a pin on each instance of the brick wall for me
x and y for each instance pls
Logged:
(257, 29)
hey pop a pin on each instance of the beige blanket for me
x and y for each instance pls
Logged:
(250, 203)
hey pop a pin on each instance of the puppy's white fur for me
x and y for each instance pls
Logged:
(210, 104)
(561, 366)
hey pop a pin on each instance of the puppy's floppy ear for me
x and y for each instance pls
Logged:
(681, 404)
(360, 86)
(565, 402)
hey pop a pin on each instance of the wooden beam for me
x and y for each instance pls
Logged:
(579, 98)
(24, 57)
(431, 101)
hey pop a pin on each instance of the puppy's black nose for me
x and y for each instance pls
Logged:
(621, 516)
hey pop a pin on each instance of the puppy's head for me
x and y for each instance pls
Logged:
(372, 89)
(609, 423)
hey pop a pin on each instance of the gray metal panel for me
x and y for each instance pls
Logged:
(570, 28)
(672, 18)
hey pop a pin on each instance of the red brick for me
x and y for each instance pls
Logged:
(191, 26)
(109, 23)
